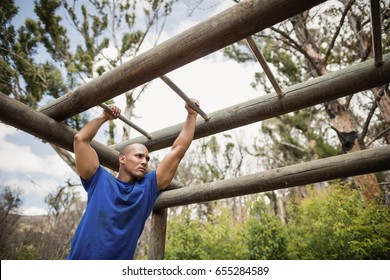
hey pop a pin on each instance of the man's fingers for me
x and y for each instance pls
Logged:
(196, 102)
(114, 111)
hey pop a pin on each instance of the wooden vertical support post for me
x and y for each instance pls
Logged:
(158, 234)
(376, 32)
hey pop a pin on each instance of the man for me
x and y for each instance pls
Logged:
(118, 208)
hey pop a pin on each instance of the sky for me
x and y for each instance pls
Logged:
(32, 166)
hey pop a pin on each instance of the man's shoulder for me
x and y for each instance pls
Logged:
(150, 178)
(151, 172)
(151, 175)
(102, 172)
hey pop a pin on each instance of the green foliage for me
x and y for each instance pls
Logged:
(131, 40)
(53, 33)
(222, 239)
(48, 56)
(238, 52)
(305, 128)
(333, 224)
(183, 238)
(285, 63)
(191, 239)
(28, 252)
(266, 235)
(339, 225)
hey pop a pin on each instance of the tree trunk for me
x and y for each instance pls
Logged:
(128, 113)
(337, 111)
(384, 105)
(365, 52)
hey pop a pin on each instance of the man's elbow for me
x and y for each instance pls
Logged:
(76, 139)
(79, 140)
(79, 137)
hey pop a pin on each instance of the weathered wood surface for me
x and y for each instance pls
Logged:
(22, 117)
(352, 164)
(264, 65)
(362, 76)
(156, 250)
(353, 79)
(376, 30)
(187, 99)
(226, 28)
(38, 124)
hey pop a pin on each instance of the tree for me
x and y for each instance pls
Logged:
(70, 43)
(291, 139)
(62, 45)
(65, 211)
(324, 42)
(10, 203)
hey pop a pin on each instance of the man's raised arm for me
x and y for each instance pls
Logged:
(168, 166)
(87, 161)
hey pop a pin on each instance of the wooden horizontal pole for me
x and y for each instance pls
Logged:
(224, 29)
(351, 164)
(23, 117)
(362, 76)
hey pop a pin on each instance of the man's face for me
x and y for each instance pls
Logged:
(135, 160)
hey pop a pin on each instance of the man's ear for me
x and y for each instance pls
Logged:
(122, 159)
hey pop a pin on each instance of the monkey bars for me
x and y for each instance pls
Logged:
(237, 23)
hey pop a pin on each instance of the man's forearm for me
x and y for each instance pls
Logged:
(183, 141)
(89, 131)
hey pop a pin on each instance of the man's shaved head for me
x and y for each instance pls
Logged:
(130, 147)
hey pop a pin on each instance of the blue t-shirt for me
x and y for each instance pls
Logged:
(114, 218)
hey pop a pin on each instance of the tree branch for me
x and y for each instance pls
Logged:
(378, 136)
(336, 34)
(295, 45)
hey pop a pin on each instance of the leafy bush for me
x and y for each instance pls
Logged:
(266, 235)
(339, 224)
(332, 224)
(216, 238)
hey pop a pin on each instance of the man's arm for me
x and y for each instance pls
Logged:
(168, 166)
(87, 161)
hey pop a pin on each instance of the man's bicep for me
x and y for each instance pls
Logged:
(87, 161)
(166, 170)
